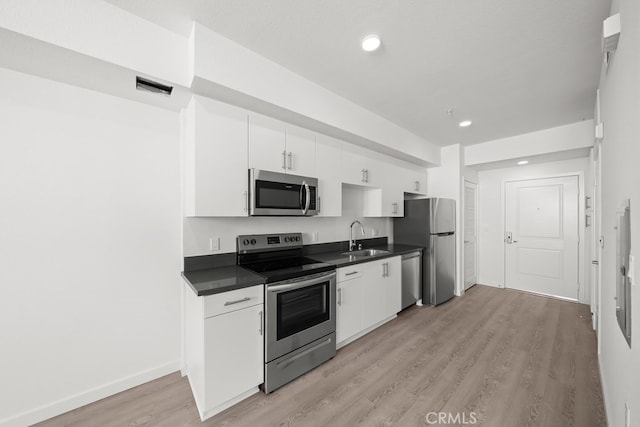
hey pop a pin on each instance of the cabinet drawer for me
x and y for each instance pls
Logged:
(233, 300)
(348, 273)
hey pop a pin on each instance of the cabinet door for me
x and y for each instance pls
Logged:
(349, 298)
(234, 349)
(353, 165)
(415, 179)
(393, 286)
(301, 151)
(374, 292)
(328, 170)
(215, 159)
(267, 147)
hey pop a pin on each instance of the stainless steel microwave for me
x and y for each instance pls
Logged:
(279, 194)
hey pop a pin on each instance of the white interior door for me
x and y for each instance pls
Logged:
(470, 233)
(541, 236)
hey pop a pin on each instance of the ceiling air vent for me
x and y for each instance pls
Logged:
(151, 86)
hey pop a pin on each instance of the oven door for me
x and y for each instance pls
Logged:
(280, 194)
(298, 312)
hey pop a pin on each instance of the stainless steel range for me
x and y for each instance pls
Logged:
(300, 305)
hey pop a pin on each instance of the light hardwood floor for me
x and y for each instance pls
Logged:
(501, 357)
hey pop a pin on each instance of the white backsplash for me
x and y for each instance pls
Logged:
(199, 231)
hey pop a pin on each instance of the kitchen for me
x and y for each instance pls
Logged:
(95, 198)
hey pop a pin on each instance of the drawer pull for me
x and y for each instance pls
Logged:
(351, 274)
(245, 299)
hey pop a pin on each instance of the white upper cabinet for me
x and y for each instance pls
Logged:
(279, 147)
(301, 151)
(267, 144)
(359, 166)
(216, 178)
(414, 179)
(328, 171)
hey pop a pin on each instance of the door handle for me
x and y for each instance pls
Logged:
(245, 299)
(290, 155)
(284, 160)
(339, 296)
(261, 324)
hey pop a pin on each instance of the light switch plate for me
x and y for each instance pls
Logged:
(214, 243)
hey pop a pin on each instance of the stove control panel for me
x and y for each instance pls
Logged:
(266, 242)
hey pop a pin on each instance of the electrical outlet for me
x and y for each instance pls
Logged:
(314, 236)
(214, 243)
(374, 232)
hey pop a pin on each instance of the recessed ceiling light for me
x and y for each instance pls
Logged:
(370, 43)
(464, 123)
(523, 162)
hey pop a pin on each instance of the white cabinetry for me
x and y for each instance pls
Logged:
(413, 179)
(368, 294)
(359, 166)
(279, 147)
(224, 347)
(328, 170)
(215, 159)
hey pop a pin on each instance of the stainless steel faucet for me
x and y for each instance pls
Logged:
(352, 241)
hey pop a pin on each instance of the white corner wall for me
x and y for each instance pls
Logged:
(620, 112)
(90, 237)
(491, 216)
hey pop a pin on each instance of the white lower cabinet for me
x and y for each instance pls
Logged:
(368, 294)
(224, 347)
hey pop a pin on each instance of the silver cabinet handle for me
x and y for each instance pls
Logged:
(261, 328)
(246, 201)
(318, 207)
(290, 155)
(362, 171)
(245, 299)
(384, 269)
(351, 274)
(395, 208)
(284, 160)
(339, 296)
(466, 241)
(366, 175)
(307, 196)
(417, 185)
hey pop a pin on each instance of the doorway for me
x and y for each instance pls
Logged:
(542, 236)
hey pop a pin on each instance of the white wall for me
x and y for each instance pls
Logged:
(491, 216)
(620, 111)
(89, 246)
(558, 139)
(198, 231)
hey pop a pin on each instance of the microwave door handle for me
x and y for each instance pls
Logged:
(307, 197)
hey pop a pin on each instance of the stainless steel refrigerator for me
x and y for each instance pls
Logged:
(431, 223)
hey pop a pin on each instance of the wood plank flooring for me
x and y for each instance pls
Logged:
(499, 357)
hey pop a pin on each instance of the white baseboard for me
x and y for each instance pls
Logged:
(75, 401)
(607, 408)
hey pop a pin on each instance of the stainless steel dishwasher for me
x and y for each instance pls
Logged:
(411, 278)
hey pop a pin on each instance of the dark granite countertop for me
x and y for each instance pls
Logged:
(213, 274)
(221, 279)
(339, 260)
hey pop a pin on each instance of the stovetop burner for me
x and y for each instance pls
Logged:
(277, 257)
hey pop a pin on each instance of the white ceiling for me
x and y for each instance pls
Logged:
(511, 66)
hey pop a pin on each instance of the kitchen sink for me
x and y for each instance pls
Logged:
(366, 252)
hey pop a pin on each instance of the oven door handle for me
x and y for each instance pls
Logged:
(297, 285)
